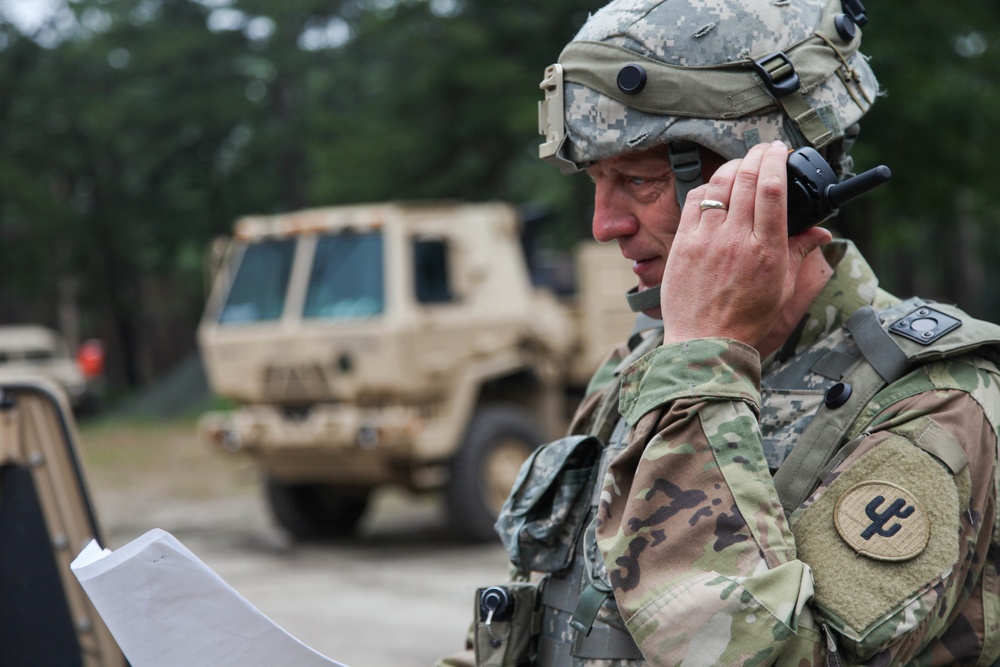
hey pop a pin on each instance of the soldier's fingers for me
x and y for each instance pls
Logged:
(743, 201)
(771, 207)
(713, 202)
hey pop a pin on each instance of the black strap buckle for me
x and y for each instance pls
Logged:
(778, 74)
(685, 160)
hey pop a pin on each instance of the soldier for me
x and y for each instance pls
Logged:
(794, 467)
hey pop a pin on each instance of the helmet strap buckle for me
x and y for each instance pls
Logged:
(778, 74)
(685, 161)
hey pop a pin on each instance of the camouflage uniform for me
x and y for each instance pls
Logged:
(689, 534)
(706, 569)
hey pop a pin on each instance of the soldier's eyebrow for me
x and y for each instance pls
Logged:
(645, 167)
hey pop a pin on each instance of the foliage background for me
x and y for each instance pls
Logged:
(132, 132)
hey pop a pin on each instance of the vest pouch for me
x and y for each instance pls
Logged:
(507, 625)
(548, 504)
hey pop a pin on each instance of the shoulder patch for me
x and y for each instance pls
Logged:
(894, 469)
(882, 520)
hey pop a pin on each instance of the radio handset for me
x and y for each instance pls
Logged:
(814, 193)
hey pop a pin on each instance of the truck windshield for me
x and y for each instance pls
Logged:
(346, 281)
(257, 292)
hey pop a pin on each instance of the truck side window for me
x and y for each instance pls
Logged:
(430, 269)
(346, 281)
(257, 292)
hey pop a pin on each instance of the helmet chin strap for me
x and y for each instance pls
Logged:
(685, 161)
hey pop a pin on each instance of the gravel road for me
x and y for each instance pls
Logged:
(398, 595)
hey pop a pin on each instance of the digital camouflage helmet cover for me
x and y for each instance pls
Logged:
(723, 74)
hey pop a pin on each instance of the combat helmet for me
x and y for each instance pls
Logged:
(723, 74)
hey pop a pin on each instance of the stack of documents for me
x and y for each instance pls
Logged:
(166, 608)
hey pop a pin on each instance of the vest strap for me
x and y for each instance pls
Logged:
(590, 602)
(798, 474)
(877, 345)
(882, 362)
(833, 365)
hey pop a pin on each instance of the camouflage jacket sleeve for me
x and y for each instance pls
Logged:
(704, 566)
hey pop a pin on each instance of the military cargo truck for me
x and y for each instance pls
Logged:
(398, 343)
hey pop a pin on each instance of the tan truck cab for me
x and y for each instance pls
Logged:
(398, 343)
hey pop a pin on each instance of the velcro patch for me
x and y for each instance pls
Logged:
(883, 521)
(856, 593)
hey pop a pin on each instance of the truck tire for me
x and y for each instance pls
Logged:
(315, 511)
(499, 439)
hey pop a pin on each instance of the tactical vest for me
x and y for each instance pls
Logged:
(547, 523)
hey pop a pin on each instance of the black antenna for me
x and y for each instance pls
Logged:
(853, 188)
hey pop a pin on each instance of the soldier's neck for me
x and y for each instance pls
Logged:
(813, 277)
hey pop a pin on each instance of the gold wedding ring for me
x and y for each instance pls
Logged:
(711, 203)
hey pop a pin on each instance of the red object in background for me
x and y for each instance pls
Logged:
(90, 358)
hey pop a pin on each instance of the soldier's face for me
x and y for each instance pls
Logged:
(635, 204)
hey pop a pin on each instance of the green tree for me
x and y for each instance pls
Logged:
(929, 229)
(137, 130)
(113, 181)
(142, 129)
(440, 100)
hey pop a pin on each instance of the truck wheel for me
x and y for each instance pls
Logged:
(315, 511)
(483, 471)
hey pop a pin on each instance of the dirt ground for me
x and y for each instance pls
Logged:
(398, 595)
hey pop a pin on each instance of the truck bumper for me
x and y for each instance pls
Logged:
(331, 444)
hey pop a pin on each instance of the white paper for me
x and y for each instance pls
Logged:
(166, 608)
